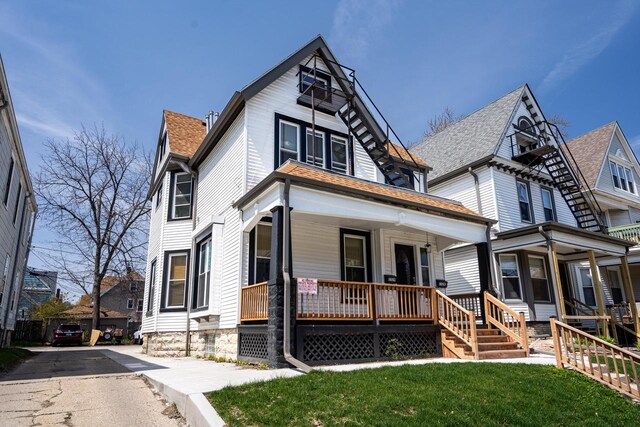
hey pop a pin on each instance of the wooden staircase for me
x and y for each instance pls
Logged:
(503, 337)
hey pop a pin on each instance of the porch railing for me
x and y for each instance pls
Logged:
(457, 320)
(337, 300)
(470, 301)
(584, 312)
(596, 358)
(403, 302)
(254, 302)
(502, 317)
(629, 232)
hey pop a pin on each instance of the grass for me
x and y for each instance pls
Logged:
(612, 363)
(464, 394)
(9, 357)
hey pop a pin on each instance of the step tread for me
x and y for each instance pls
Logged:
(501, 354)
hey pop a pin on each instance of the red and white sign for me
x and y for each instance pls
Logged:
(308, 286)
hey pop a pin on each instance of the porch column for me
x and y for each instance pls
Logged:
(484, 272)
(595, 278)
(628, 289)
(556, 280)
(275, 322)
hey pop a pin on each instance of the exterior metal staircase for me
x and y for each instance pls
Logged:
(354, 111)
(543, 150)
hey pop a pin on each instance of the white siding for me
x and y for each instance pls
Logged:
(391, 237)
(504, 150)
(462, 271)
(544, 311)
(316, 250)
(462, 189)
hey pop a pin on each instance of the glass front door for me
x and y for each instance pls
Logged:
(405, 264)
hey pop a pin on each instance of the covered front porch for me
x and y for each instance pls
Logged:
(551, 270)
(363, 270)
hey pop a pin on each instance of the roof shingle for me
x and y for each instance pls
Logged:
(185, 133)
(589, 151)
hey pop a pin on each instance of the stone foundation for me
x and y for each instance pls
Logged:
(538, 329)
(219, 343)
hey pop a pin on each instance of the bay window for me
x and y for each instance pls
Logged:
(203, 279)
(181, 196)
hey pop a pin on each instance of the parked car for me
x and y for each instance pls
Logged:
(137, 336)
(69, 333)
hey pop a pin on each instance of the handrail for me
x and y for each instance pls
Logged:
(581, 307)
(335, 300)
(506, 319)
(458, 320)
(470, 301)
(606, 363)
(629, 232)
(586, 312)
(403, 302)
(254, 302)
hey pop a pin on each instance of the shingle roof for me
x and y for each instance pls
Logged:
(185, 133)
(86, 311)
(589, 151)
(472, 138)
(372, 189)
(398, 151)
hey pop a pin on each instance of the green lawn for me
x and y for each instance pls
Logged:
(11, 356)
(459, 394)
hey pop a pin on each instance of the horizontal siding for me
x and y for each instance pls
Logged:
(462, 189)
(504, 150)
(316, 250)
(390, 237)
(462, 271)
(544, 311)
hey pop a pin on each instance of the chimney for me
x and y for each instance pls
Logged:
(210, 119)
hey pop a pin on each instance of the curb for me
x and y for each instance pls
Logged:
(194, 407)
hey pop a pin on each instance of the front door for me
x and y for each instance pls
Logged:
(405, 264)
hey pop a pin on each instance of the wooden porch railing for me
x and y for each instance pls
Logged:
(457, 320)
(403, 302)
(502, 317)
(585, 312)
(627, 232)
(470, 301)
(337, 300)
(604, 362)
(254, 302)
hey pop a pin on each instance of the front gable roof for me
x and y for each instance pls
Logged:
(475, 137)
(590, 151)
(184, 133)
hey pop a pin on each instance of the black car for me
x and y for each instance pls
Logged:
(69, 333)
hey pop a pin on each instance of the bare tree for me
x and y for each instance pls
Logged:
(92, 191)
(440, 122)
(562, 123)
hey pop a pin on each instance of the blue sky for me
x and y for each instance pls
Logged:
(121, 62)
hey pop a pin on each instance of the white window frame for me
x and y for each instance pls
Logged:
(140, 305)
(364, 253)
(174, 195)
(152, 286)
(280, 140)
(310, 160)
(624, 174)
(528, 193)
(255, 245)
(207, 273)
(313, 78)
(429, 267)
(546, 277)
(582, 285)
(500, 256)
(129, 303)
(168, 275)
(346, 157)
(159, 195)
(551, 200)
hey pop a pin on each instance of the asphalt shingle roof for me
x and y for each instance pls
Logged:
(472, 138)
(589, 151)
(185, 133)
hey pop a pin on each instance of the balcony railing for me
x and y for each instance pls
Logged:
(627, 232)
(337, 300)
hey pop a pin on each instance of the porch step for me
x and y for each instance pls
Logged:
(506, 345)
(492, 344)
(490, 338)
(502, 354)
(486, 332)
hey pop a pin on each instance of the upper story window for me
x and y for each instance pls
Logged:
(181, 200)
(133, 287)
(130, 303)
(315, 149)
(289, 142)
(7, 187)
(139, 307)
(548, 204)
(622, 177)
(525, 125)
(163, 146)
(16, 208)
(320, 81)
(201, 291)
(175, 284)
(339, 154)
(152, 288)
(524, 200)
(159, 196)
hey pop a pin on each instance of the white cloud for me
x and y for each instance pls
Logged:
(358, 23)
(585, 52)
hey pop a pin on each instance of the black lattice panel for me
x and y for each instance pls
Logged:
(334, 347)
(408, 344)
(253, 345)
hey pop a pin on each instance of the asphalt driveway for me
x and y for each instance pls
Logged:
(80, 387)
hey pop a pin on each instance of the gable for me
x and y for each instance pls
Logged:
(590, 151)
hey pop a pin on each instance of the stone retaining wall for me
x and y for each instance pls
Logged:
(215, 342)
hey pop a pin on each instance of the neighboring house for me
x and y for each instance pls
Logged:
(38, 286)
(82, 314)
(612, 173)
(123, 294)
(504, 162)
(296, 164)
(17, 212)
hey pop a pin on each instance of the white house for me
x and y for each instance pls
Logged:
(290, 227)
(505, 161)
(17, 212)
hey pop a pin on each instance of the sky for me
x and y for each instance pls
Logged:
(120, 63)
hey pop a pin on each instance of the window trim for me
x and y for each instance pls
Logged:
(255, 255)
(139, 306)
(582, 286)
(528, 188)
(159, 195)
(346, 153)
(17, 206)
(279, 124)
(552, 198)
(170, 213)
(152, 286)
(518, 269)
(165, 280)
(130, 304)
(323, 135)
(196, 276)
(429, 267)
(9, 182)
(366, 236)
(622, 173)
(319, 74)
(547, 278)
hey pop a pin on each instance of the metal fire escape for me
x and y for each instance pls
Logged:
(352, 104)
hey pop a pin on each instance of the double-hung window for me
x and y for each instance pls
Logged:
(152, 288)
(263, 252)
(320, 81)
(338, 154)
(526, 215)
(139, 305)
(548, 204)
(355, 255)
(587, 286)
(130, 304)
(182, 188)
(315, 148)
(16, 208)
(510, 276)
(622, 177)
(424, 267)
(289, 141)
(7, 187)
(176, 279)
(201, 293)
(159, 196)
(539, 280)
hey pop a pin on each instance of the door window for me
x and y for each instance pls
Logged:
(355, 259)
(405, 264)
(587, 286)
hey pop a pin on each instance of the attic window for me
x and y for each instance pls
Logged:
(525, 125)
(622, 177)
(322, 82)
(163, 145)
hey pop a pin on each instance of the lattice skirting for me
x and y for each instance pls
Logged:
(252, 343)
(331, 344)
